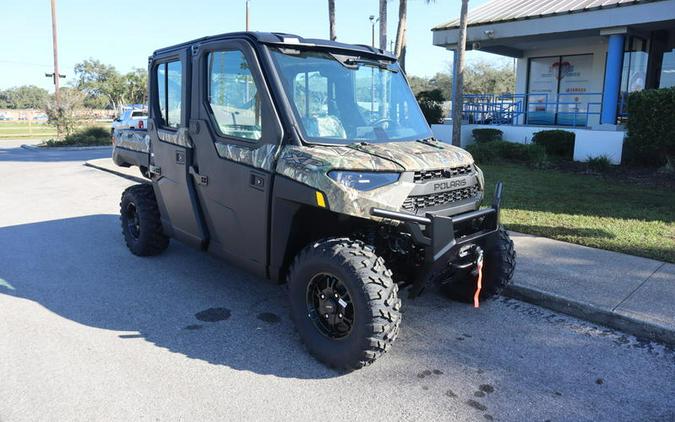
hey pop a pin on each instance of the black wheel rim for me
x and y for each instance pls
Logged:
(329, 306)
(132, 220)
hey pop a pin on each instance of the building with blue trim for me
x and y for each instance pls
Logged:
(576, 63)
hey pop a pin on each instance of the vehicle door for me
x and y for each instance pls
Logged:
(171, 149)
(236, 132)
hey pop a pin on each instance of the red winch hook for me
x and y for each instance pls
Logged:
(479, 279)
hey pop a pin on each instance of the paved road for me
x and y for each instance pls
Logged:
(90, 332)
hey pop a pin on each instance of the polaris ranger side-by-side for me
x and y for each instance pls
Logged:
(309, 162)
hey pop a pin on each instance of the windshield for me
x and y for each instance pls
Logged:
(342, 100)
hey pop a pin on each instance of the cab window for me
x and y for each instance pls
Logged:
(233, 95)
(169, 93)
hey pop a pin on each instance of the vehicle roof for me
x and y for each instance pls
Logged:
(282, 40)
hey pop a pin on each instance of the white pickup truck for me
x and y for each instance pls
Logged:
(131, 118)
(129, 136)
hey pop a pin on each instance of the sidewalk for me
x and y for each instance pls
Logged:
(629, 293)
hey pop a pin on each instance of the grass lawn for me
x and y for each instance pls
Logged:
(12, 129)
(22, 130)
(601, 212)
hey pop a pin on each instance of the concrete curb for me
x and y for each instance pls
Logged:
(589, 312)
(39, 148)
(137, 179)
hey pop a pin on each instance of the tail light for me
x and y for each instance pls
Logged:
(140, 124)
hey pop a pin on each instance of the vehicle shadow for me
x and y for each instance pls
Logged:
(22, 155)
(184, 300)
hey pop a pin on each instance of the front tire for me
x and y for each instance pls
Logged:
(141, 223)
(498, 266)
(344, 302)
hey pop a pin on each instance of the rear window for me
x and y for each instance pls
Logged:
(139, 114)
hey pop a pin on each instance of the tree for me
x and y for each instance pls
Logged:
(486, 78)
(331, 19)
(383, 25)
(401, 30)
(431, 103)
(98, 80)
(458, 95)
(66, 118)
(137, 86)
(26, 96)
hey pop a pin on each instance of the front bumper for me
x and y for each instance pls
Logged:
(444, 237)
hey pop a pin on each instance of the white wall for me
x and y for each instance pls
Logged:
(587, 143)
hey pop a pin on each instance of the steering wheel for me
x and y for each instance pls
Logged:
(381, 122)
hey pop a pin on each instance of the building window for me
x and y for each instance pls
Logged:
(169, 93)
(559, 90)
(634, 70)
(233, 95)
(667, 79)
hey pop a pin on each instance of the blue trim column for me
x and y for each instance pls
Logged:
(610, 97)
(454, 80)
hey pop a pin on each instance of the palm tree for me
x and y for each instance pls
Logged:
(400, 46)
(458, 94)
(401, 28)
(331, 19)
(383, 25)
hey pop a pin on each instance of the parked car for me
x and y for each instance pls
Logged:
(131, 118)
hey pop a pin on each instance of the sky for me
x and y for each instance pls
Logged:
(124, 33)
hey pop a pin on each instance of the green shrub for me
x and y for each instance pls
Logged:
(651, 128)
(500, 151)
(91, 136)
(557, 143)
(431, 104)
(601, 163)
(487, 135)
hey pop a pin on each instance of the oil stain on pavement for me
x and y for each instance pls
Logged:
(213, 314)
(269, 317)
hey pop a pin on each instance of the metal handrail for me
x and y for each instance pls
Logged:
(516, 109)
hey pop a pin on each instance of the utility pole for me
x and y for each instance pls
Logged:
(247, 27)
(383, 25)
(56, 75)
(372, 30)
(458, 82)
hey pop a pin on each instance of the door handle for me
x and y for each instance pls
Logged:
(199, 179)
(257, 181)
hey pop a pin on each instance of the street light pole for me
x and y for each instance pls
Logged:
(372, 30)
(247, 27)
(55, 43)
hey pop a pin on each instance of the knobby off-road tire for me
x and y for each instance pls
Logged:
(374, 300)
(499, 262)
(141, 223)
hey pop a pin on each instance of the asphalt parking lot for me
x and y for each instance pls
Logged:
(90, 332)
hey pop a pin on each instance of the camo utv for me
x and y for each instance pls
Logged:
(309, 162)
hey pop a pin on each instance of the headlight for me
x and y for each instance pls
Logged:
(363, 181)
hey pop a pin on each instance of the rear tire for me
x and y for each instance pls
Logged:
(141, 223)
(361, 278)
(499, 264)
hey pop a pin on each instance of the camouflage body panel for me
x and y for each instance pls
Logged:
(416, 156)
(310, 164)
(261, 157)
(131, 139)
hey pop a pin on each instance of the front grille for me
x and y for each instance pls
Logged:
(427, 175)
(413, 203)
